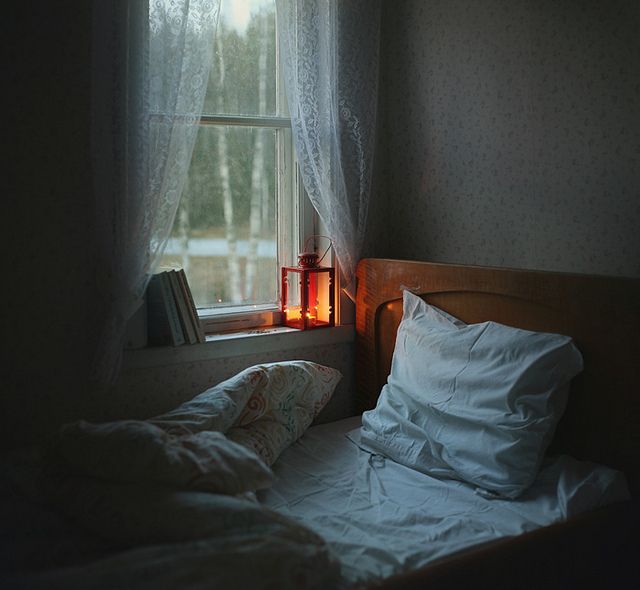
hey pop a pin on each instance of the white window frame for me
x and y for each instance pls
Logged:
(296, 217)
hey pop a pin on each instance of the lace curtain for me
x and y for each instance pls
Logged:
(151, 66)
(330, 52)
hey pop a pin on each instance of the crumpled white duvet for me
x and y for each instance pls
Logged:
(168, 502)
(119, 535)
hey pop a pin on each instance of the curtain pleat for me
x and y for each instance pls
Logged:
(151, 66)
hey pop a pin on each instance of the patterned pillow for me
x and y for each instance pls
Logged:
(265, 407)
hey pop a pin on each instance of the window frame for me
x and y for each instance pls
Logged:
(295, 216)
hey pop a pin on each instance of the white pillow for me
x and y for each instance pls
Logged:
(478, 402)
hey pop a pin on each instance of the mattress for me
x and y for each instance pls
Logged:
(382, 518)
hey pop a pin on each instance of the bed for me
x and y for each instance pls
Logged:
(573, 544)
(340, 512)
(601, 422)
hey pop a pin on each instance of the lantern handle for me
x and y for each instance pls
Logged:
(319, 236)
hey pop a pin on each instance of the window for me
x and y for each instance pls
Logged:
(240, 215)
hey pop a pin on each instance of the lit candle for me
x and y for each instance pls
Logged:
(293, 313)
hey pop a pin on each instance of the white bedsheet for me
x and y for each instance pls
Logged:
(382, 518)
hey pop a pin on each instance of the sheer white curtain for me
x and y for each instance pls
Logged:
(151, 65)
(330, 52)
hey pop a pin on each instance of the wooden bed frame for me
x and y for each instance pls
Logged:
(601, 422)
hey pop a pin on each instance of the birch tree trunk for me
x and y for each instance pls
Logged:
(257, 175)
(233, 264)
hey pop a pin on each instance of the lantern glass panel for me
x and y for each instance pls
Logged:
(293, 303)
(319, 300)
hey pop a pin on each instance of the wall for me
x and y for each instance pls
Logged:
(512, 133)
(47, 255)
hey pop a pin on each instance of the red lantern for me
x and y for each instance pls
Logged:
(308, 299)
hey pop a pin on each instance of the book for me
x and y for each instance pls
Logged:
(162, 314)
(193, 311)
(183, 309)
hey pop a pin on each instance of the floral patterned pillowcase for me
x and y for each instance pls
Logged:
(265, 408)
(279, 411)
(221, 441)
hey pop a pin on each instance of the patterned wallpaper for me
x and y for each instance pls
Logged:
(511, 133)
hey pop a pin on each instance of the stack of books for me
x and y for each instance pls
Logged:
(172, 317)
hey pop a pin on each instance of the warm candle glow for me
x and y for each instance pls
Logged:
(293, 313)
(322, 312)
(314, 287)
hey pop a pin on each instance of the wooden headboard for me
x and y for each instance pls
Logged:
(602, 315)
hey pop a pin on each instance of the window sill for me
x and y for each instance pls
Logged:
(232, 344)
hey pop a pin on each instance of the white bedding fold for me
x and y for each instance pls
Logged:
(162, 492)
(153, 537)
(137, 451)
(263, 558)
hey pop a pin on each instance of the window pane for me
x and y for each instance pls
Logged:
(243, 73)
(224, 235)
